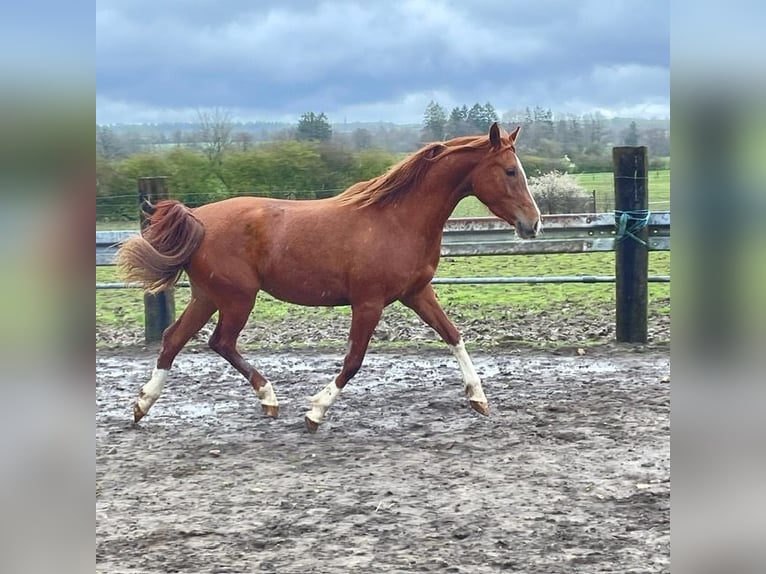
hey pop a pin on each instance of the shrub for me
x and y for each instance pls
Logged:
(557, 192)
(535, 165)
(593, 164)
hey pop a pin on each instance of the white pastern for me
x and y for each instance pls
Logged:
(321, 401)
(150, 392)
(471, 380)
(267, 395)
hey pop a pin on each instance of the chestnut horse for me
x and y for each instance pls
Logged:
(377, 242)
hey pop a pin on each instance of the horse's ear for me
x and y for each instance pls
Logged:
(515, 134)
(494, 135)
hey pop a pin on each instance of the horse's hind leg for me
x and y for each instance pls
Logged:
(233, 316)
(196, 314)
(424, 303)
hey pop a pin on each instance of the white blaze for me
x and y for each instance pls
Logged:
(321, 401)
(150, 392)
(471, 380)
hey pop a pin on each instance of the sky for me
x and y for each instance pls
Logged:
(370, 61)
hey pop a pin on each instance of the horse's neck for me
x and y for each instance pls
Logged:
(442, 188)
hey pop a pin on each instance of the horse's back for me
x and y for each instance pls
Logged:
(314, 252)
(226, 208)
(266, 243)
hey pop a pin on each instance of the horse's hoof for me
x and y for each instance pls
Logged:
(270, 410)
(479, 407)
(311, 426)
(138, 414)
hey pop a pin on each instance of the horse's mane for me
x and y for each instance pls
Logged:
(406, 174)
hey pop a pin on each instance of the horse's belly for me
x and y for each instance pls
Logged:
(305, 291)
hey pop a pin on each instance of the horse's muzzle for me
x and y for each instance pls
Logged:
(526, 231)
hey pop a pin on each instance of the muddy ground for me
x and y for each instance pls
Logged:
(569, 473)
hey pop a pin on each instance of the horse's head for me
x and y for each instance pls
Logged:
(499, 182)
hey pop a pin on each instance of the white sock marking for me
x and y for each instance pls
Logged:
(150, 392)
(321, 401)
(267, 395)
(471, 380)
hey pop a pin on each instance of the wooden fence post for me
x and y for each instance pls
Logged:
(631, 203)
(159, 309)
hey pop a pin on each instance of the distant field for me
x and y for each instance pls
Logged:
(602, 184)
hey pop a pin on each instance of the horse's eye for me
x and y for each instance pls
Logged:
(511, 171)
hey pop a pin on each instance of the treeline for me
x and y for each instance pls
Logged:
(216, 158)
(545, 134)
(581, 141)
(290, 169)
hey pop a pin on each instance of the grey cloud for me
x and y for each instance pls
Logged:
(292, 57)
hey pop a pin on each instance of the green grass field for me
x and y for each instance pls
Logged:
(540, 296)
(602, 184)
(125, 307)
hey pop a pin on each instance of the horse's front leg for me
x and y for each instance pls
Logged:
(364, 318)
(424, 303)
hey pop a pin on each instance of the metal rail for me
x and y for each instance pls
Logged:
(576, 233)
(464, 237)
(467, 281)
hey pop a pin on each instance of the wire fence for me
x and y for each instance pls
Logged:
(123, 207)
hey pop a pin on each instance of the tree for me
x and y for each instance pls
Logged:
(434, 122)
(658, 141)
(362, 138)
(577, 141)
(595, 134)
(528, 118)
(544, 122)
(243, 139)
(214, 133)
(372, 163)
(313, 127)
(107, 143)
(513, 118)
(531, 130)
(481, 117)
(338, 165)
(631, 135)
(458, 125)
(193, 179)
(476, 117)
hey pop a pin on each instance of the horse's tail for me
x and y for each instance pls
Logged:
(156, 259)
